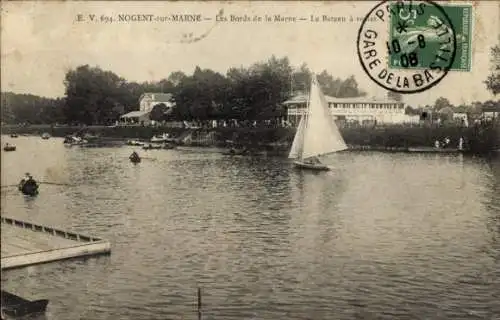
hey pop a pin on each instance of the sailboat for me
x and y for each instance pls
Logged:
(317, 134)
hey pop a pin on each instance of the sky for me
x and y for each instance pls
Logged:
(41, 41)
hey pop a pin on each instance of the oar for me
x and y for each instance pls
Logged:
(10, 186)
(58, 184)
(147, 158)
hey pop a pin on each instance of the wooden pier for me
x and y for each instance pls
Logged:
(24, 243)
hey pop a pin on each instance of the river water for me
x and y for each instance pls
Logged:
(381, 236)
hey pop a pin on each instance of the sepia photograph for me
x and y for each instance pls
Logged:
(297, 160)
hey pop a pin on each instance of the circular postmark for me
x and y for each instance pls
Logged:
(406, 46)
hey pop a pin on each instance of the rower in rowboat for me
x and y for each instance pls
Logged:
(28, 185)
(134, 157)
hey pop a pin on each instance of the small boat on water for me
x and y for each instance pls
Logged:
(161, 138)
(134, 157)
(136, 143)
(168, 146)
(9, 147)
(152, 147)
(236, 152)
(13, 135)
(16, 306)
(45, 136)
(317, 133)
(28, 186)
(74, 140)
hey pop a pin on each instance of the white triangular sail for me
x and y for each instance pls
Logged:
(321, 135)
(298, 141)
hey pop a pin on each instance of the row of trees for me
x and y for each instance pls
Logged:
(28, 108)
(443, 105)
(96, 96)
(492, 83)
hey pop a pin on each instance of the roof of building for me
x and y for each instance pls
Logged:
(157, 96)
(135, 114)
(303, 98)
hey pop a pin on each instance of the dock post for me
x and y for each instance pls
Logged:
(199, 303)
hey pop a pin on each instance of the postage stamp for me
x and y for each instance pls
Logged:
(417, 35)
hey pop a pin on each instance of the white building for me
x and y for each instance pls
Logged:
(148, 100)
(354, 109)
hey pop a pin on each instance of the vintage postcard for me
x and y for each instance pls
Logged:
(250, 160)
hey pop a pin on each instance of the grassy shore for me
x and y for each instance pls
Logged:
(388, 137)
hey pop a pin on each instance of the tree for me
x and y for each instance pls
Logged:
(176, 77)
(300, 79)
(412, 111)
(159, 112)
(349, 89)
(493, 80)
(442, 103)
(96, 96)
(196, 95)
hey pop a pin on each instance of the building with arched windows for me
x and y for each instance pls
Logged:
(360, 109)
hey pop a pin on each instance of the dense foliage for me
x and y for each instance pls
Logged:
(96, 96)
(28, 108)
(493, 80)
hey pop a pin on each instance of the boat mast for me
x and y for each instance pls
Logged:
(306, 120)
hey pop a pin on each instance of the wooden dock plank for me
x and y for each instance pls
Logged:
(23, 243)
(8, 248)
(35, 240)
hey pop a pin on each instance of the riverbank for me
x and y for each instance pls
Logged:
(477, 139)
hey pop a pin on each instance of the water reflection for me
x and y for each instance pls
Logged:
(492, 204)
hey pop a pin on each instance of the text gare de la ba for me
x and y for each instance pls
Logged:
(418, 79)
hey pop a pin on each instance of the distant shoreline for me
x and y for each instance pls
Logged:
(384, 138)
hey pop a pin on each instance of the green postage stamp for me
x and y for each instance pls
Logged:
(411, 34)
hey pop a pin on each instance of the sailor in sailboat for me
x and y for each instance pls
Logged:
(313, 160)
(317, 133)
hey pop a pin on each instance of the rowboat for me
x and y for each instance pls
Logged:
(135, 159)
(168, 146)
(136, 143)
(9, 147)
(74, 141)
(152, 147)
(161, 138)
(16, 306)
(28, 189)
